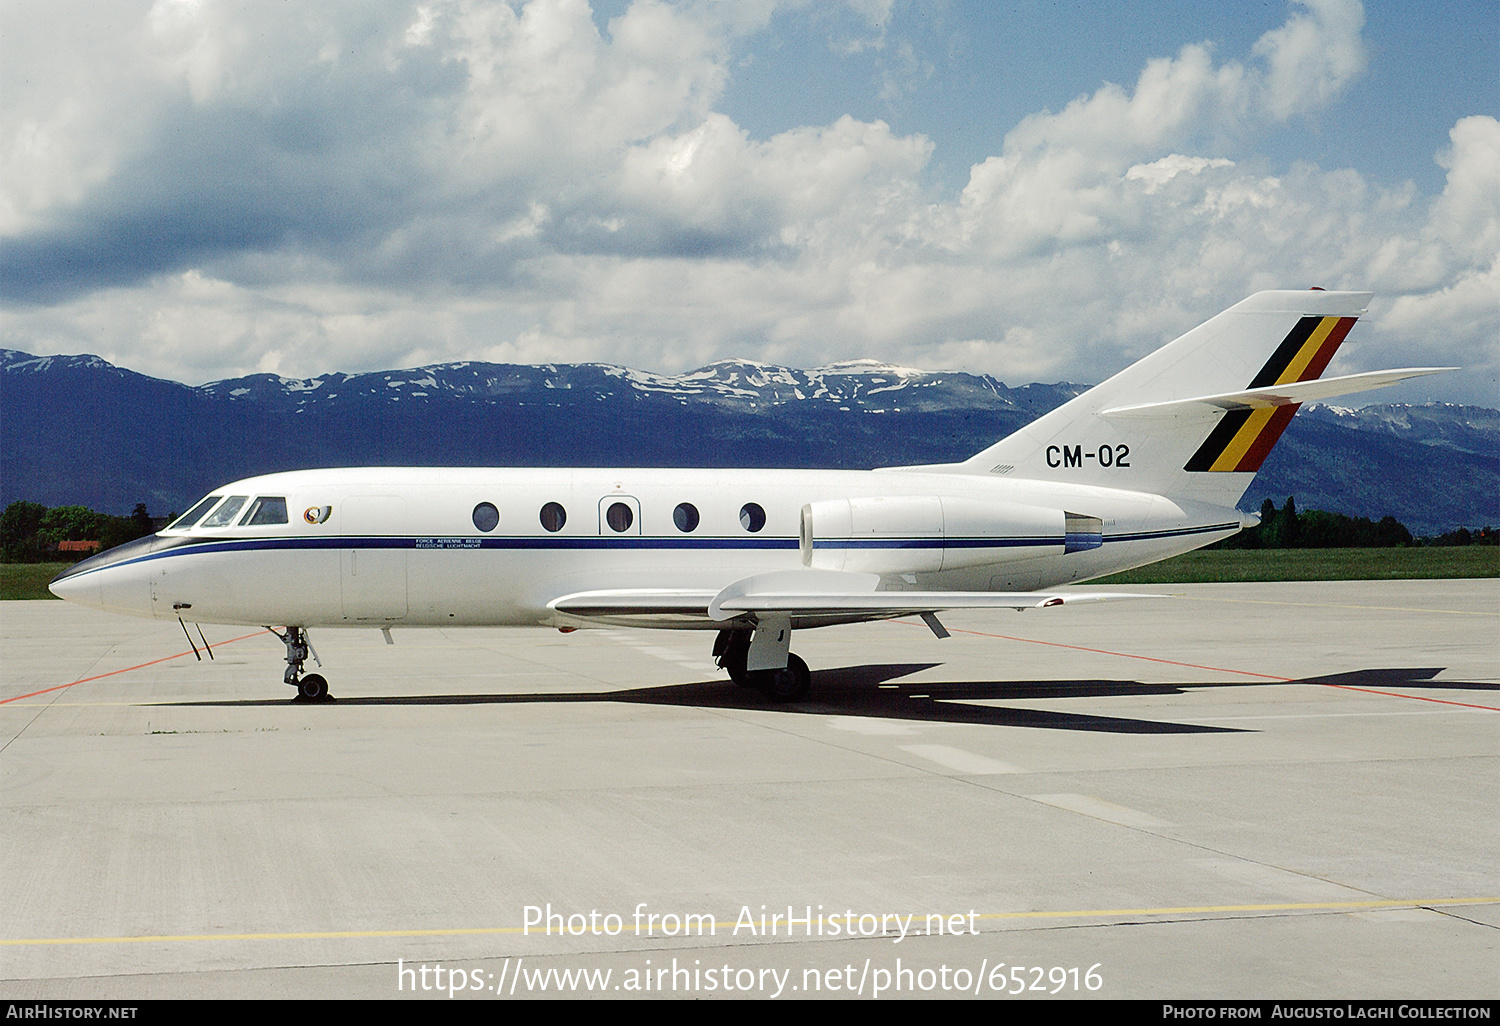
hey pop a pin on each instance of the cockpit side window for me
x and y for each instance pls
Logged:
(266, 509)
(224, 515)
(193, 515)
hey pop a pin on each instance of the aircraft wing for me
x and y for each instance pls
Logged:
(841, 593)
(806, 594)
(635, 602)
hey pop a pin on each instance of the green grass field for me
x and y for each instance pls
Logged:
(1204, 567)
(29, 580)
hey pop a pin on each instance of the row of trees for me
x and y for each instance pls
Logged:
(1286, 528)
(1463, 536)
(31, 533)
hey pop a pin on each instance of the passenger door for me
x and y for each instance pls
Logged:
(372, 566)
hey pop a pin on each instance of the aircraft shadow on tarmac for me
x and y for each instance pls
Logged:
(867, 691)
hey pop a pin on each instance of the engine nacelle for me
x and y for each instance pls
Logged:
(909, 534)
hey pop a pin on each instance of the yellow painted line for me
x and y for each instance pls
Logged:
(325, 935)
(1301, 906)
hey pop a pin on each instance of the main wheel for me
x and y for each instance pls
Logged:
(313, 688)
(788, 685)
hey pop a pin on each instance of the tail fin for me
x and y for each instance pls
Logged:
(1196, 418)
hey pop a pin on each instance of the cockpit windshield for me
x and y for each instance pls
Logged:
(224, 515)
(193, 515)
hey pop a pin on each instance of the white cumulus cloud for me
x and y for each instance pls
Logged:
(199, 189)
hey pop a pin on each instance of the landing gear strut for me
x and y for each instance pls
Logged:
(789, 683)
(730, 650)
(313, 687)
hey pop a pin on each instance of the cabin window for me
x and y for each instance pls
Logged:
(486, 516)
(554, 516)
(193, 515)
(752, 517)
(685, 516)
(267, 509)
(224, 515)
(619, 517)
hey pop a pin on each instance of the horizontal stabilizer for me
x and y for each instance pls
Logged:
(1271, 396)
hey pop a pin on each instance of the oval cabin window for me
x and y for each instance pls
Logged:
(752, 517)
(554, 516)
(619, 517)
(486, 516)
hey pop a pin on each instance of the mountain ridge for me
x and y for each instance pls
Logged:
(1434, 467)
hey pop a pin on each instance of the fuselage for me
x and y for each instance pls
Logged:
(1148, 464)
(494, 547)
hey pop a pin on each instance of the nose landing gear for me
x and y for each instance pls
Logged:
(313, 687)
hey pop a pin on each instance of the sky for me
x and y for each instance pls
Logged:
(1042, 191)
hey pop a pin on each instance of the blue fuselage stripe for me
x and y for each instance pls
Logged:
(631, 542)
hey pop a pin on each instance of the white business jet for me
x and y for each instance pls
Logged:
(1147, 465)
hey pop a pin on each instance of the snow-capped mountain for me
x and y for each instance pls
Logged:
(737, 384)
(77, 429)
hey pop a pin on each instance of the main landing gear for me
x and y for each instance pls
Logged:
(313, 687)
(737, 650)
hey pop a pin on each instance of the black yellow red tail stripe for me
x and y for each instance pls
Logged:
(1243, 439)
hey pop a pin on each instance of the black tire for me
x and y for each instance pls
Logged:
(742, 677)
(733, 660)
(313, 688)
(789, 685)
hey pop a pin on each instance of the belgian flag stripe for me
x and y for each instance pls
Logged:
(1220, 437)
(1285, 353)
(1316, 342)
(1229, 458)
(1243, 438)
(1261, 447)
(1336, 336)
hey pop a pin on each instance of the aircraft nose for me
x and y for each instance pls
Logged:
(114, 581)
(107, 589)
(74, 588)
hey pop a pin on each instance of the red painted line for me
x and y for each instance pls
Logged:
(128, 669)
(1124, 655)
(1217, 669)
(1419, 698)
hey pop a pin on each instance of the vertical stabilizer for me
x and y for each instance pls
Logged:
(1153, 428)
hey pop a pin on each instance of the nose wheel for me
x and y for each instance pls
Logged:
(314, 686)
